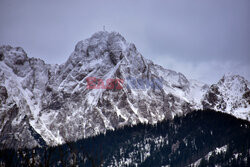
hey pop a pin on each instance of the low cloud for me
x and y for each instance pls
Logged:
(206, 71)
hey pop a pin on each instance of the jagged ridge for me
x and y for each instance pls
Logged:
(57, 104)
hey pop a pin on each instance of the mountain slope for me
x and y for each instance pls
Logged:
(57, 104)
(199, 138)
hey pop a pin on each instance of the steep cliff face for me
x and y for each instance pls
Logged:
(57, 103)
(20, 89)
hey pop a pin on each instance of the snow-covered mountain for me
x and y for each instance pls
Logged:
(54, 100)
(231, 95)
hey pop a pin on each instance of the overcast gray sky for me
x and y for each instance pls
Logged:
(203, 39)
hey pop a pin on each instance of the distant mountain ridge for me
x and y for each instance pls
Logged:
(55, 102)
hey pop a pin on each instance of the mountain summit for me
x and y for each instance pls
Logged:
(105, 84)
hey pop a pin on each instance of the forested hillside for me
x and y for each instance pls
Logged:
(200, 138)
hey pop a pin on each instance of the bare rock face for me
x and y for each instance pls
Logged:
(1, 56)
(17, 135)
(54, 100)
(3, 94)
(246, 96)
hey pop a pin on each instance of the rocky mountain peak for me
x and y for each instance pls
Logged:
(236, 82)
(231, 94)
(104, 54)
(55, 101)
(101, 45)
